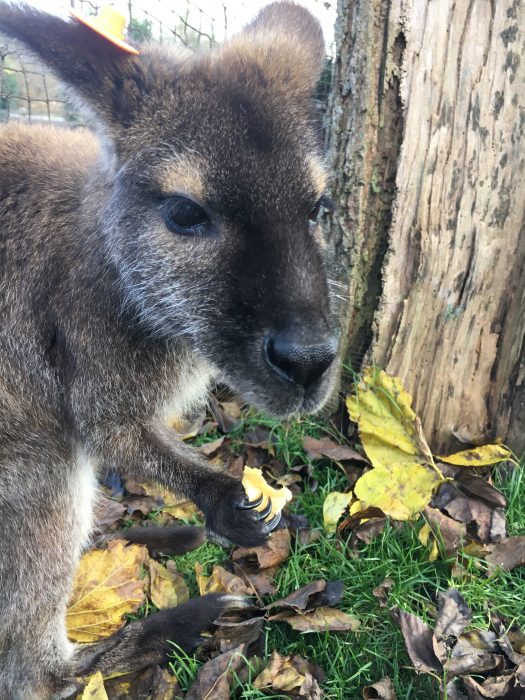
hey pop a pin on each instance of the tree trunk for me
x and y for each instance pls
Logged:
(428, 150)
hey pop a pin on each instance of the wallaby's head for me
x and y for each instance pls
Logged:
(215, 183)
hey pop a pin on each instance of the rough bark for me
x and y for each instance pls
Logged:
(451, 314)
(365, 129)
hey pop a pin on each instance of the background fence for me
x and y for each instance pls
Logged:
(28, 92)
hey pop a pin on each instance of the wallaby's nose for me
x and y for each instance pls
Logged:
(296, 361)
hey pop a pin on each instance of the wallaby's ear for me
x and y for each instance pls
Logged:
(104, 77)
(287, 43)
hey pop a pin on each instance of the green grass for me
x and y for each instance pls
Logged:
(353, 660)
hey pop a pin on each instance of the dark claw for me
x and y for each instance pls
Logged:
(274, 522)
(266, 510)
(248, 505)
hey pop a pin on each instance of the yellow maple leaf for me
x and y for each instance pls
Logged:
(94, 690)
(108, 584)
(387, 424)
(404, 475)
(333, 508)
(479, 456)
(167, 587)
(401, 491)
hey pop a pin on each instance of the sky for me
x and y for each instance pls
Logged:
(238, 12)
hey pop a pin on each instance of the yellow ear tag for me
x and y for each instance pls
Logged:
(254, 484)
(109, 23)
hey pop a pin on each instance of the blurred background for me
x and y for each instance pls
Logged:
(28, 92)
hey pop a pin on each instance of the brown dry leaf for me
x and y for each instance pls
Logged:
(313, 595)
(94, 690)
(382, 690)
(367, 532)
(221, 581)
(317, 449)
(261, 583)
(479, 487)
(210, 448)
(507, 554)
(231, 633)
(292, 675)
(511, 643)
(275, 550)
(452, 533)
(454, 615)
(418, 640)
(484, 520)
(382, 591)
(107, 512)
(167, 587)
(214, 678)
(140, 504)
(108, 584)
(479, 456)
(152, 683)
(323, 619)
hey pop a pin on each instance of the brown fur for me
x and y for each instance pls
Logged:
(111, 321)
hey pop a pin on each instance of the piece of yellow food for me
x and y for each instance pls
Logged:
(255, 484)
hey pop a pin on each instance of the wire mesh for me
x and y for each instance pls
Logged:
(29, 92)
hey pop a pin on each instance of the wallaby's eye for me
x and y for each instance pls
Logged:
(315, 212)
(324, 202)
(184, 216)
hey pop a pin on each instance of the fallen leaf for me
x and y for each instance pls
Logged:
(382, 591)
(477, 486)
(214, 678)
(226, 414)
(314, 595)
(400, 491)
(334, 506)
(186, 428)
(512, 644)
(260, 582)
(368, 531)
(484, 521)
(382, 690)
(425, 536)
(107, 512)
(507, 554)
(293, 675)
(418, 640)
(454, 615)
(307, 535)
(140, 504)
(275, 550)
(210, 448)
(167, 587)
(152, 683)
(181, 510)
(221, 581)
(451, 532)
(316, 449)
(323, 619)
(479, 456)
(386, 422)
(250, 633)
(107, 585)
(94, 690)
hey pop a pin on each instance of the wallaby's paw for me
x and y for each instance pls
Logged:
(231, 516)
(149, 641)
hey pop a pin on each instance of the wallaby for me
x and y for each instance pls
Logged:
(173, 247)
